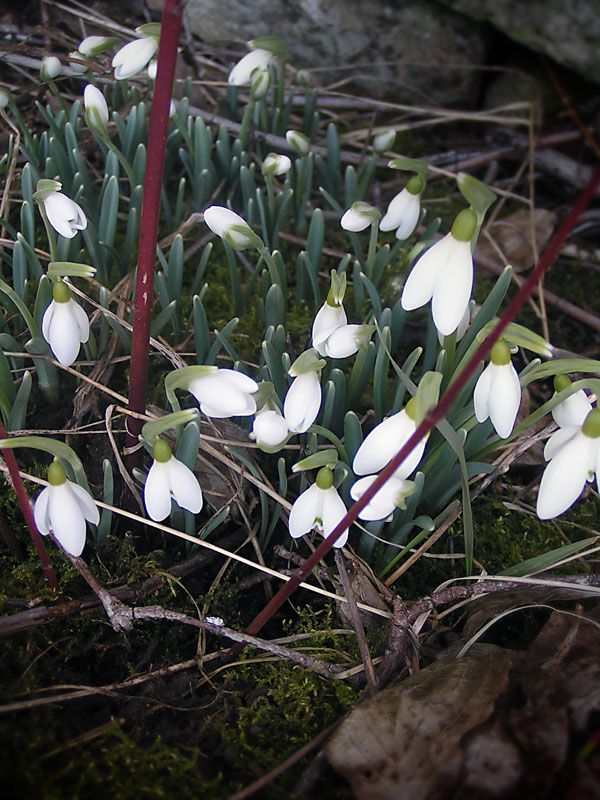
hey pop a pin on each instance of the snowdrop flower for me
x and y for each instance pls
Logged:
(404, 210)
(331, 315)
(498, 391)
(319, 507)
(303, 399)
(270, 429)
(152, 69)
(463, 326)
(4, 98)
(65, 216)
(133, 57)
(242, 73)
(94, 45)
(347, 340)
(224, 393)
(572, 411)
(385, 440)
(65, 325)
(169, 479)
(231, 227)
(384, 141)
(574, 455)
(63, 507)
(50, 68)
(391, 496)
(359, 216)
(444, 274)
(276, 164)
(76, 63)
(299, 143)
(96, 109)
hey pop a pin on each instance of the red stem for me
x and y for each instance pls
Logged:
(437, 413)
(23, 499)
(157, 139)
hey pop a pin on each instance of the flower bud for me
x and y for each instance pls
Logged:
(50, 68)
(299, 143)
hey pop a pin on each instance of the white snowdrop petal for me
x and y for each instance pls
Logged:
(184, 486)
(422, 279)
(85, 501)
(380, 506)
(307, 508)
(342, 342)
(327, 320)
(572, 411)
(63, 335)
(565, 477)
(395, 211)
(94, 100)
(66, 520)
(481, 395)
(59, 212)
(40, 511)
(81, 320)
(504, 399)
(47, 319)
(302, 402)
(410, 219)
(382, 443)
(214, 393)
(241, 73)
(354, 221)
(133, 57)
(453, 287)
(270, 428)
(558, 440)
(157, 492)
(238, 379)
(334, 510)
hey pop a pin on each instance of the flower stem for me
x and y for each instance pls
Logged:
(159, 122)
(23, 500)
(437, 413)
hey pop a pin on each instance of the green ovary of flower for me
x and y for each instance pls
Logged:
(464, 225)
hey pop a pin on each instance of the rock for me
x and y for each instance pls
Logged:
(409, 50)
(568, 31)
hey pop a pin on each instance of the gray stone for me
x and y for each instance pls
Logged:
(411, 50)
(567, 31)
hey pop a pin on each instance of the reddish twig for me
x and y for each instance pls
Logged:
(439, 411)
(157, 138)
(23, 499)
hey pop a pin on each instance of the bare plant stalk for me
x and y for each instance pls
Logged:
(157, 138)
(23, 499)
(438, 412)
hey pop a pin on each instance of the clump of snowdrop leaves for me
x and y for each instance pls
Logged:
(63, 508)
(444, 275)
(318, 508)
(169, 479)
(574, 456)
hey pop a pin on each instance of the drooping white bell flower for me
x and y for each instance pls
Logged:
(231, 227)
(96, 109)
(64, 214)
(133, 57)
(243, 72)
(497, 392)
(270, 429)
(299, 143)
(65, 325)
(346, 340)
(50, 68)
(152, 69)
(169, 479)
(404, 210)
(320, 508)
(224, 393)
(276, 164)
(359, 216)
(572, 411)
(4, 97)
(391, 496)
(384, 141)
(444, 274)
(385, 440)
(574, 455)
(94, 45)
(463, 326)
(327, 320)
(303, 399)
(63, 508)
